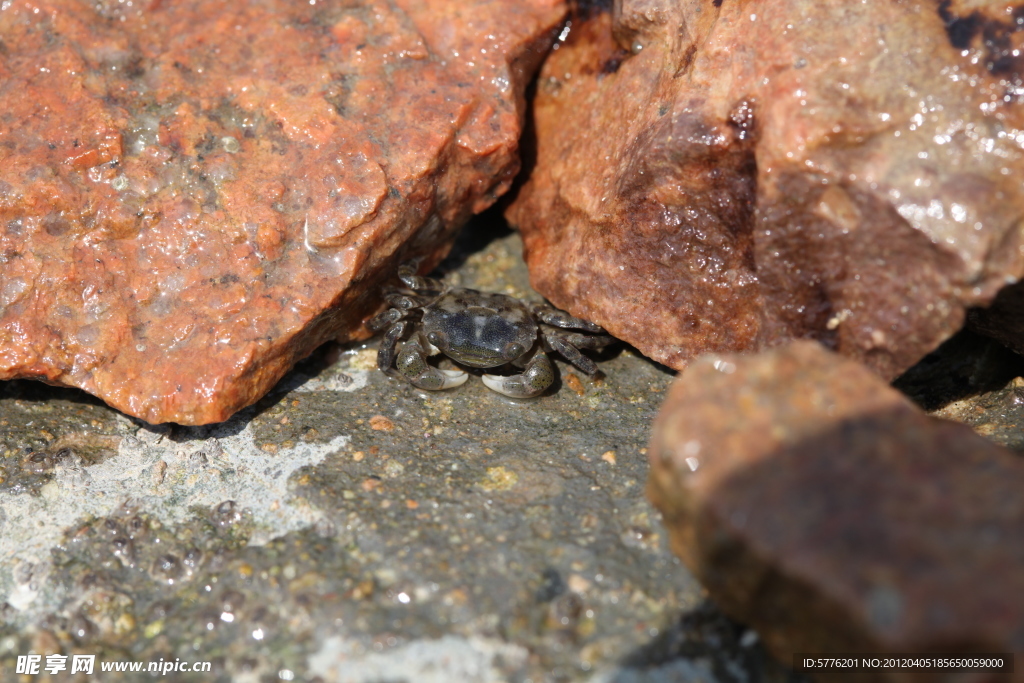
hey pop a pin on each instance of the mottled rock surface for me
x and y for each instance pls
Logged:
(377, 532)
(730, 175)
(822, 507)
(194, 195)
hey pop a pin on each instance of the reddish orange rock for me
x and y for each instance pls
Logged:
(716, 176)
(194, 195)
(823, 508)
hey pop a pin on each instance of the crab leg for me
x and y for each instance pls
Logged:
(403, 302)
(386, 352)
(578, 339)
(557, 318)
(571, 354)
(412, 364)
(384, 319)
(537, 376)
(407, 274)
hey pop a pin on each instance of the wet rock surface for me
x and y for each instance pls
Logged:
(195, 195)
(350, 527)
(725, 176)
(822, 507)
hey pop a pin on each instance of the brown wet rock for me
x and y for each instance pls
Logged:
(820, 506)
(727, 176)
(195, 195)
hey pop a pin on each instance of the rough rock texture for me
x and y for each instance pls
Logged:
(820, 506)
(378, 533)
(194, 195)
(729, 175)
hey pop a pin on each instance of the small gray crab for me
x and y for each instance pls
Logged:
(479, 330)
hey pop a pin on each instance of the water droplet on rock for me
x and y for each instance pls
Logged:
(166, 568)
(81, 629)
(160, 609)
(192, 558)
(227, 513)
(232, 601)
(566, 610)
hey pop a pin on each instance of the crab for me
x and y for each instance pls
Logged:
(478, 330)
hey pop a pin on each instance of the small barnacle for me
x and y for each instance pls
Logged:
(39, 462)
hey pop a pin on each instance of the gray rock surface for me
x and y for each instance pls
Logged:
(350, 527)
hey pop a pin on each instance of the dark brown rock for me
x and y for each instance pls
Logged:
(194, 195)
(819, 505)
(730, 175)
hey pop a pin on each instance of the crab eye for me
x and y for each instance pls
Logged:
(513, 350)
(435, 338)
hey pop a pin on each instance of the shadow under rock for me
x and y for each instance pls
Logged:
(32, 391)
(310, 367)
(705, 636)
(36, 391)
(475, 236)
(965, 365)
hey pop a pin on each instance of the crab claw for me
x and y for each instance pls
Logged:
(412, 364)
(537, 377)
(435, 379)
(449, 378)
